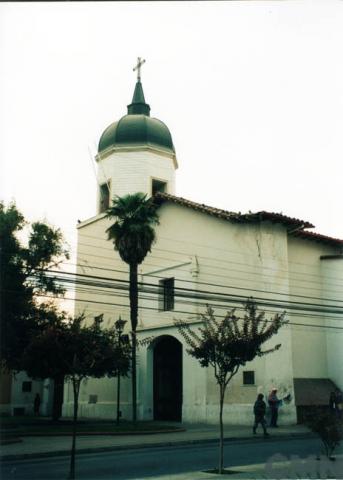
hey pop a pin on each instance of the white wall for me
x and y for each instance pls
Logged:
(309, 336)
(133, 171)
(332, 275)
(24, 400)
(240, 258)
(208, 255)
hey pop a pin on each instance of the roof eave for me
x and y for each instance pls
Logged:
(290, 223)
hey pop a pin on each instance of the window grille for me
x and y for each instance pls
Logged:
(166, 294)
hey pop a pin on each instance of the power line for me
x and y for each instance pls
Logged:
(194, 303)
(179, 289)
(88, 301)
(260, 273)
(194, 315)
(294, 281)
(210, 296)
(203, 294)
(215, 284)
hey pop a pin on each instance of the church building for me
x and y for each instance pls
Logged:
(204, 255)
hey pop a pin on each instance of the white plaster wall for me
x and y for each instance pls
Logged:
(332, 278)
(106, 404)
(206, 254)
(96, 257)
(133, 171)
(233, 255)
(20, 399)
(240, 258)
(309, 339)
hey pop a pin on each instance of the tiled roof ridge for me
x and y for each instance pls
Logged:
(318, 237)
(236, 216)
(297, 225)
(197, 206)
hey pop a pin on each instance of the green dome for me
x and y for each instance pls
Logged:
(137, 128)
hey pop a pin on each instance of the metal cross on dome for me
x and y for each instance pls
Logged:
(140, 62)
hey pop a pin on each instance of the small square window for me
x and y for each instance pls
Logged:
(158, 186)
(26, 387)
(93, 399)
(249, 377)
(166, 294)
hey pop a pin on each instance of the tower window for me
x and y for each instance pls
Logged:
(158, 186)
(104, 197)
(249, 377)
(166, 296)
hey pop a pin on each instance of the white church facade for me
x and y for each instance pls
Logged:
(205, 255)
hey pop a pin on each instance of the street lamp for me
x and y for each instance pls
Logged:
(119, 326)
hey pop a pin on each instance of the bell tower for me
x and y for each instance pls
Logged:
(135, 153)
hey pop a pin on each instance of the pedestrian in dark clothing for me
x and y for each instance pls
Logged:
(36, 405)
(259, 412)
(274, 404)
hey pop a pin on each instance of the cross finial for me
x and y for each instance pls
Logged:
(140, 62)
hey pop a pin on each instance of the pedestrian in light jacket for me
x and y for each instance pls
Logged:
(274, 404)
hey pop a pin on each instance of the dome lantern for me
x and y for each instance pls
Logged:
(138, 105)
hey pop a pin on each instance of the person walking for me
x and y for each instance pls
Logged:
(274, 404)
(259, 412)
(36, 405)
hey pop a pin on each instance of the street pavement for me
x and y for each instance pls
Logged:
(34, 446)
(39, 447)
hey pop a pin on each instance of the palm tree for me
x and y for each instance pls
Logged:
(133, 236)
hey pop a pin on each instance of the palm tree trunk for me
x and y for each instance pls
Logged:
(221, 430)
(76, 390)
(134, 319)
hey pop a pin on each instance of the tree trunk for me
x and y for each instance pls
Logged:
(76, 390)
(118, 397)
(221, 430)
(58, 397)
(134, 319)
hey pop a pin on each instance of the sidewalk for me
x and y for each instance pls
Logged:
(34, 447)
(279, 471)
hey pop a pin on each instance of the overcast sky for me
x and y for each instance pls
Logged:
(252, 92)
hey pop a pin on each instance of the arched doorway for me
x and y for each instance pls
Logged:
(168, 379)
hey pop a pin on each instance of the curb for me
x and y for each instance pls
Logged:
(109, 434)
(60, 453)
(10, 441)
